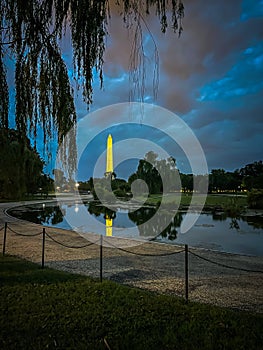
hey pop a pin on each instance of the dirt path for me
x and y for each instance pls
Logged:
(142, 266)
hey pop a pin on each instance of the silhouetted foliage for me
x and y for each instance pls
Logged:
(157, 173)
(20, 165)
(255, 199)
(252, 175)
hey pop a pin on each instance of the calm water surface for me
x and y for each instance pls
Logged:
(211, 231)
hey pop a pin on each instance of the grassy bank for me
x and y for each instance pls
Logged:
(212, 200)
(50, 309)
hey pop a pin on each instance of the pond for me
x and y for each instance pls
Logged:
(214, 231)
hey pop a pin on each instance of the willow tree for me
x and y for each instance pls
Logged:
(31, 33)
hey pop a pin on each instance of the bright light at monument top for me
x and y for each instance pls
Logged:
(109, 160)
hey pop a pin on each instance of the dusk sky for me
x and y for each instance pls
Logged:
(211, 77)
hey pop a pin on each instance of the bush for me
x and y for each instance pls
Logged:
(255, 199)
(120, 193)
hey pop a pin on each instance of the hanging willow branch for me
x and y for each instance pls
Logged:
(4, 94)
(33, 30)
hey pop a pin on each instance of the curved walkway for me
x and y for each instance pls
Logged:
(148, 265)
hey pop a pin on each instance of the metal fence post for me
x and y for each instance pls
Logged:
(101, 242)
(43, 248)
(186, 273)
(4, 243)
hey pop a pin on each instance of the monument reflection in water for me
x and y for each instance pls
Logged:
(119, 220)
(108, 226)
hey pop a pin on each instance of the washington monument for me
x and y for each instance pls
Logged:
(109, 160)
(109, 174)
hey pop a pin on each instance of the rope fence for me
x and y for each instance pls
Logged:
(144, 254)
(25, 235)
(100, 243)
(69, 246)
(224, 265)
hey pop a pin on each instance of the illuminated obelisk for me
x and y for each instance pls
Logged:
(109, 160)
(109, 174)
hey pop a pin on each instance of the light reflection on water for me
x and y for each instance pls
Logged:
(211, 231)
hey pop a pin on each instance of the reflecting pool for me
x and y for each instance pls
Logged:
(217, 231)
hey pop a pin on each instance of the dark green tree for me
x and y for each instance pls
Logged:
(255, 199)
(155, 172)
(46, 184)
(217, 180)
(147, 171)
(233, 181)
(20, 165)
(187, 182)
(252, 175)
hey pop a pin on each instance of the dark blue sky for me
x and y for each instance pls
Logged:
(211, 77)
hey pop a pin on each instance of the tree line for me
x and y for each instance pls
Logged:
(155, 172)
(21, 174)
(149, 169)
(244, 179)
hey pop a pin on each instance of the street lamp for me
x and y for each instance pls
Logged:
(76, 187)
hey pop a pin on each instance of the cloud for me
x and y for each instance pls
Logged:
(244, 78)
(212, 76)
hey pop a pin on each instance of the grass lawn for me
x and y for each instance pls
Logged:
(212, 200)
(48, 309)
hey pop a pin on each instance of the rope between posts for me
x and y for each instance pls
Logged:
(68, 246)
(2, 228)
(145, 254)
(224, 265)
(24, 235)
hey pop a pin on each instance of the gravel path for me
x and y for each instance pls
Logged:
(140, 266)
